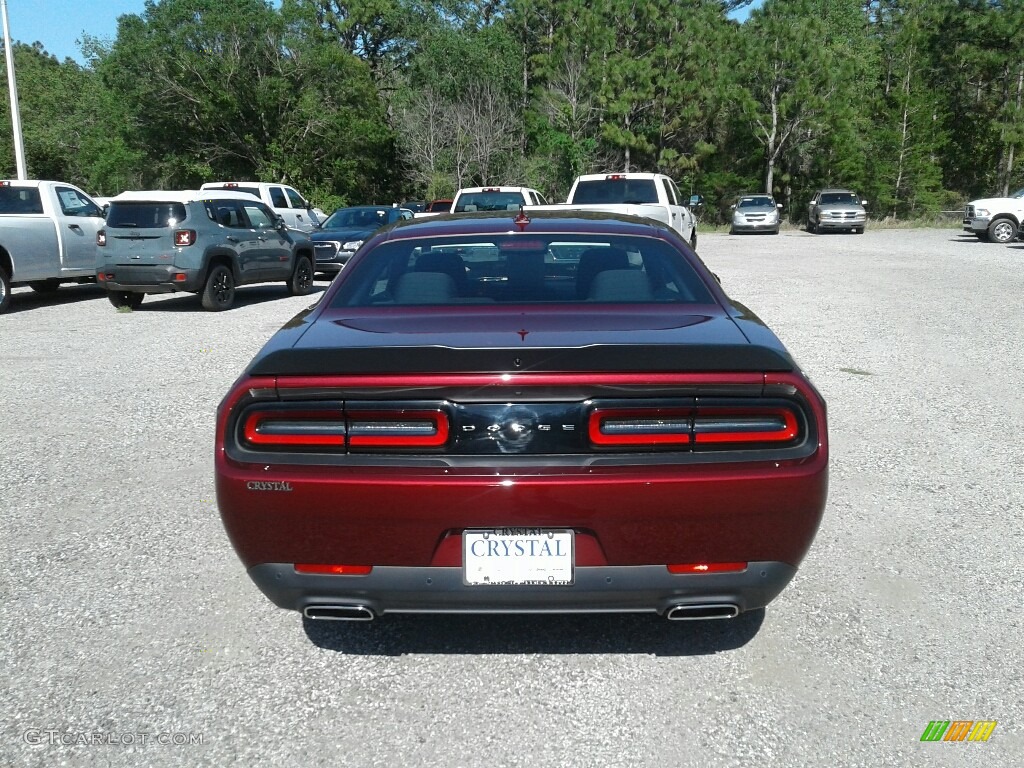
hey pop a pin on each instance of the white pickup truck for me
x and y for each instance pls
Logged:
(47, 236)
(297, 212)
(649, 195)
(995, 219)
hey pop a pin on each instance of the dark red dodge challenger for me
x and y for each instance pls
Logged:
(542, 412)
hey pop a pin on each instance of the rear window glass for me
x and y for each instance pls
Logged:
(20, 200)
(488, 201)
(236, 188)
(616, 192)
(516, 269)
(144, 215)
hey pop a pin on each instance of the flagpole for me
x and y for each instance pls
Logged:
(19, 144)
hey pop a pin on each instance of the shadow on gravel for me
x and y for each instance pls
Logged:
(24, 301)
(395, 635)
(244, 297)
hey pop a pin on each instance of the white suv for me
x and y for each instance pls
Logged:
(495, 199)
(296, 211)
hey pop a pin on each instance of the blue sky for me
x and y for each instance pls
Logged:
(58, 24)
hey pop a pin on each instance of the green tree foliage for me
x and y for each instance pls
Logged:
(219, 89)
(69, 125)
(917, 104)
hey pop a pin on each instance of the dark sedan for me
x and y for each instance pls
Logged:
(500, 413)
(345, 230)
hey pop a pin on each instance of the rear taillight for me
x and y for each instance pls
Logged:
(294, 429)
(340, 429)
(696, 427)
(744, 425)
(183, 237)
(101, 237)
(397, 429)
(640, 426)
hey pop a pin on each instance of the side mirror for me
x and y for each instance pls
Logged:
(863, 202)
(279, 223)
(696, 201)
(779, 206)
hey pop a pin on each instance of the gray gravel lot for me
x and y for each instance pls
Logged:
(126, 617)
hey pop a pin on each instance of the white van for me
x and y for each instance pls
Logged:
(296, 211)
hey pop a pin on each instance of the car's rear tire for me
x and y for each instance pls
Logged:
(5, 291)
(44, 286)
(301, 282)
(126, 299)
(1002, 230)
(219, 290)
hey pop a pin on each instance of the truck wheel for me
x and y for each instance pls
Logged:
(44, 286)
(219, 291)
(1002, 231)
(5, 291)
(693, 238)
(811, 227)
(126, 299)
(301, 281)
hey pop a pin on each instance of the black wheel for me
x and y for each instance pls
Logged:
(693, 238)
(301, 281)
(858, 230)
(219, 291)
(5, 291)
(126, 299)
(811, 226)
(1002, 231)
(44, 286)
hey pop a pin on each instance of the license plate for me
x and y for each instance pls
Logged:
(518, 556)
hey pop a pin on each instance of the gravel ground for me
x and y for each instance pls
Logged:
(130, 634)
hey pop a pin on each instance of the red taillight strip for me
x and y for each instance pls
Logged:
(742, 425)
(397, 429)
(421, 381)
(683, 568)
(294, 428)
(641, 426)
(334, 570)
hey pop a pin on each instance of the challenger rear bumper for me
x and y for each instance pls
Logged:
(604, 589)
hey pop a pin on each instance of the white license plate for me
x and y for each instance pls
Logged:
(518, 556)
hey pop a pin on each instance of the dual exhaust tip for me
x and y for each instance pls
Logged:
(680, 612)
(339, 612)
(702, 611)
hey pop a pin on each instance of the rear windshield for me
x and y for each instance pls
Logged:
(144, 215)
(616, 192)
(236, 188)
(516, 269)
(488, 201)
(20, 200)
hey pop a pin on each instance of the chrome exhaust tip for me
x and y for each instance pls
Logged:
(339, 612)
(702, 611)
